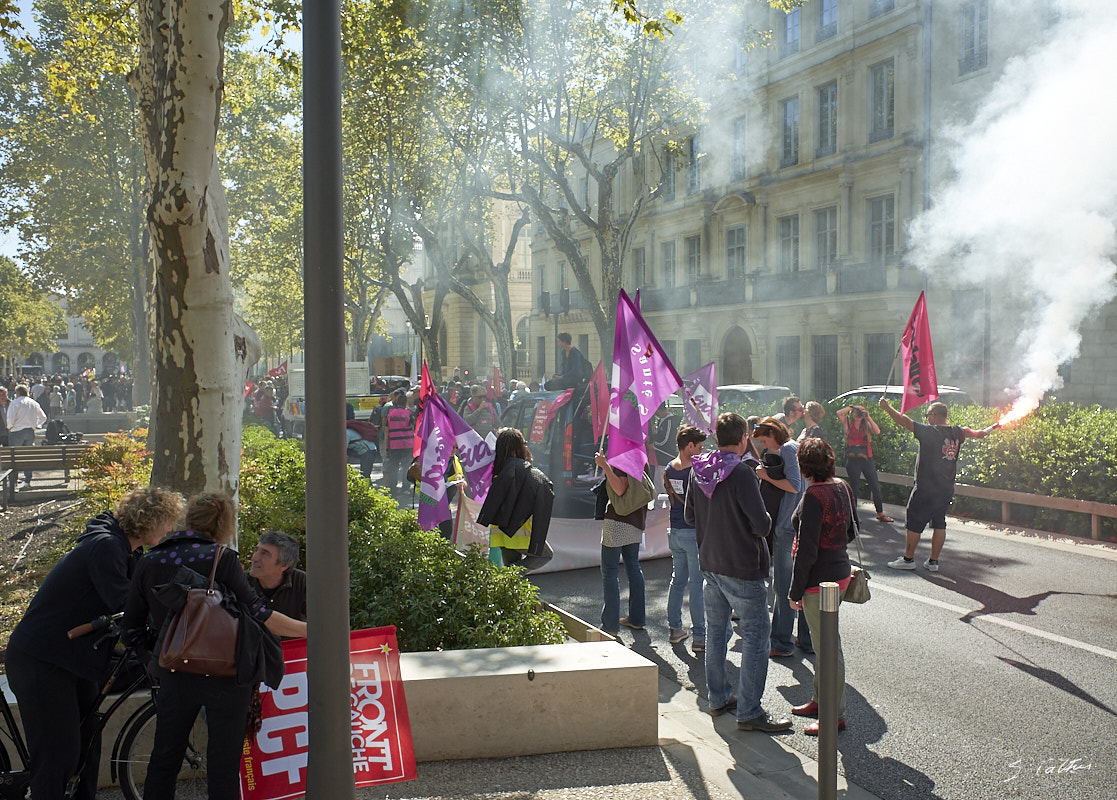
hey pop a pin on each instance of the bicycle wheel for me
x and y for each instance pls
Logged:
(135, 752)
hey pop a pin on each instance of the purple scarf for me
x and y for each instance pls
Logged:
(710, 469)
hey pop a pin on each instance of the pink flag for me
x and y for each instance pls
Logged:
(440, 430)
(917, 359)
(643, 377)
(700, 398)
(426, 389)
(599, 401)
(558, 403)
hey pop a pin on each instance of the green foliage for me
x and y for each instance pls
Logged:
(400, 575)
(111, 469)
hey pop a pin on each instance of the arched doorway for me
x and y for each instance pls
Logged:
(736, 358)
(60, 363)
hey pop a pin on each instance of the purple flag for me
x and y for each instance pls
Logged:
(440, 430)
(700, 398)
(643, 378)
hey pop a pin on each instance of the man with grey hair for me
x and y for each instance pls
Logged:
(274, 576)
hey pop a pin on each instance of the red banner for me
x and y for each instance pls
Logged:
(277, 371)
(539, 422)
(917, 359)
(274, 763)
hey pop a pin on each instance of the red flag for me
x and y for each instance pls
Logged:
(277, 371)
(426, 389)
(558, 403)
(274, 761)
(498, 382)
(917, 359)
(248, 388)
(599, 401)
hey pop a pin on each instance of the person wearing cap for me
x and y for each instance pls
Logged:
(936, 468)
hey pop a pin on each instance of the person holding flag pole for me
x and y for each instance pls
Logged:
(643, 378)
(936, 465)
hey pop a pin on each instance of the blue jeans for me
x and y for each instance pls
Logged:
(684, 569)
(611, 586)
(749, 599)
(783, 616)
(24, 437)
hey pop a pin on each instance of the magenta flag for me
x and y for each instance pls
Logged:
(917, 359)
(700, 398)
(643, 378)
(440, 431)
(599, 401)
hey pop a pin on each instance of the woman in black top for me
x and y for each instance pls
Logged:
(56, 679)
(823, 525)
(210, 520)
(518, 506)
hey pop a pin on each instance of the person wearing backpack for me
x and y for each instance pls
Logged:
(574, 370)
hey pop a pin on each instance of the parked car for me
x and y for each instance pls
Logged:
(561, 445)
(752, 394)
(951, 395)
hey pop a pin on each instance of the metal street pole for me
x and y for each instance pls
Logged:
(330, 759)
(828, 691)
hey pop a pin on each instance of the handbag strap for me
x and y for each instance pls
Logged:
(217, 553)
(853, 521)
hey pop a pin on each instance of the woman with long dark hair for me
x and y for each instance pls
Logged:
(210, 521)
(517, 508)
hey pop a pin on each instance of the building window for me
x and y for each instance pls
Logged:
(879, 348)
(827, 19)
(693, 246)
(562, 275)
(542, 279)
(878, 7)
(824, 365)
(789, 40)
(639, 267)
(828, 119)
(694, 169)
(883, 102)
(789, 243)
(735, 252)
(975, 37)
(738, 158)
(882, 229)
(667, 263)
(789, 116)
(787, 362)
(667, 187)
(826, 237)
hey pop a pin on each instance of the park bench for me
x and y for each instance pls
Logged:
(50, 458)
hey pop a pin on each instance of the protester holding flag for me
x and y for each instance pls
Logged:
(936, 468)
(622, 530)
(518, 506)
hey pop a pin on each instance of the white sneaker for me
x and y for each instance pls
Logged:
(902, 563)
(931, 566)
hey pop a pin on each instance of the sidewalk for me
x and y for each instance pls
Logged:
(698, 757)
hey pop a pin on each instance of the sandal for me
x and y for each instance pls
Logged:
(882, 517)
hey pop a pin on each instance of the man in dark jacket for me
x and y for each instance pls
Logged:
(723, 503)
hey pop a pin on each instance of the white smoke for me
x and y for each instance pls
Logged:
(1033, 203)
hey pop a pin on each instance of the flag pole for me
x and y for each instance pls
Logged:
(895, 360)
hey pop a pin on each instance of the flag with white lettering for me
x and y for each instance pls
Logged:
(440, 430)
(273, 764)
(700, 398)
(917, 359)
(643, 378)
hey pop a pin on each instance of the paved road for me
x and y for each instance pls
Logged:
(996, 677)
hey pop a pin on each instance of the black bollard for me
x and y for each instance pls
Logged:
(828, 691)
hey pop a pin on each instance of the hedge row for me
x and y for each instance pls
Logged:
(1060, 450)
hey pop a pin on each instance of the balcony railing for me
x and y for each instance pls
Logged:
(783, 285)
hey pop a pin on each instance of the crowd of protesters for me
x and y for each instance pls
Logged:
(64, 394)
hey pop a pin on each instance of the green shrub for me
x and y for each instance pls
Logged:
(111, 469)
(399, 575)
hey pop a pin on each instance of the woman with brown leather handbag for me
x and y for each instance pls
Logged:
(210, 522)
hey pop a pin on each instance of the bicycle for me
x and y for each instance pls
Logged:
(131, 751)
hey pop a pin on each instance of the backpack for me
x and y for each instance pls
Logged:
(57, 432)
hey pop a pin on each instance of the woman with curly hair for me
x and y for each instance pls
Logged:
(56, 679)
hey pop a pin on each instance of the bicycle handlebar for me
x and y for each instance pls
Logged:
(101, 623)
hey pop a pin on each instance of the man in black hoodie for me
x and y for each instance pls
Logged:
(56, 679)
(724, 505)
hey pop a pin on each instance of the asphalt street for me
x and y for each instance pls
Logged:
(993, 678)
